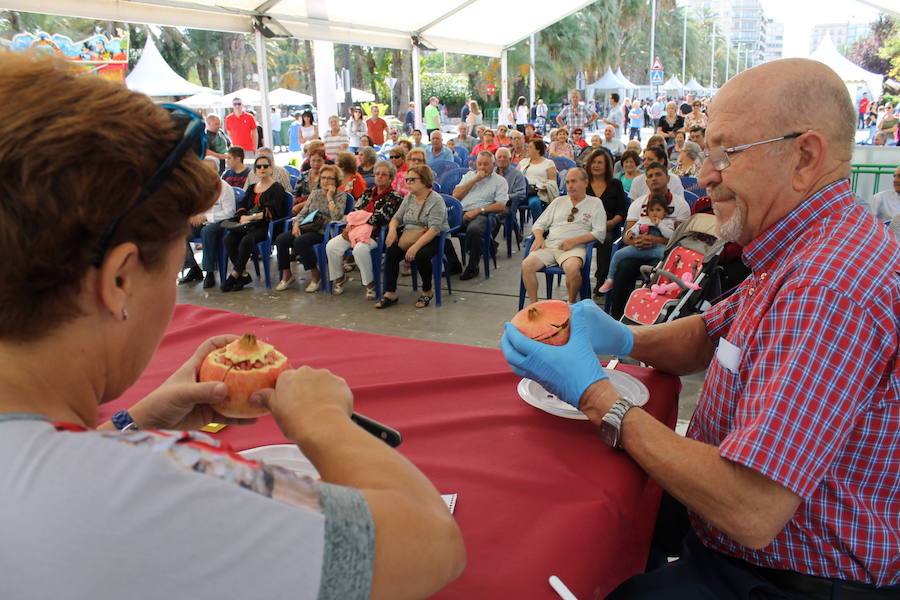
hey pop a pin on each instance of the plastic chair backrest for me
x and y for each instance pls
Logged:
(238, 194)
(442, 166)
(454, 210)
(690, 198)
(450, 179)
(292, 170)
(370, 181)
(562, 163)
(348, 203)
(436, 187)
(688, 182)
(463, 155)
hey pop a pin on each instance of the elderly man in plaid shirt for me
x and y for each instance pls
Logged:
(576, 114)
(790, 471)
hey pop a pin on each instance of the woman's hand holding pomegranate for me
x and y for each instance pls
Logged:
(303, 398)
(183, 403)
(565, 371)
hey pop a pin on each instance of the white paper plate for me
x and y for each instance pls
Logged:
(287, 456)
(534, 394)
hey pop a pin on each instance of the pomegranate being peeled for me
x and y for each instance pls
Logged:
(546, 321)
(245, 365)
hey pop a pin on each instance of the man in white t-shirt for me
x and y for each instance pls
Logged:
(658, 182)
(574, 220)
(886, 204)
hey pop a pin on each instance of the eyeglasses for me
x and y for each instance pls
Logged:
(396, 156)
(572, 214)
(237, 103)
(192, 139)
(410, 179)
(328, 178)
(719, 155)
(261, 166)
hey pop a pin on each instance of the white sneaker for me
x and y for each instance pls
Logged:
(314, 286)
(283, 285)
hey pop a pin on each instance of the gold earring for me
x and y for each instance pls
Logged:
(124, 314)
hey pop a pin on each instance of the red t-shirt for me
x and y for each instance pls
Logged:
(863, 105)
(239, 128)
(376, 127)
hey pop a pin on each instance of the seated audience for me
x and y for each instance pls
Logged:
(488, 143)
(657, 228)
(436, 150)
(670, 123)
(309, 180)
(364, 142)
(335, 139)
(143, 505)
(698, 136)
(516, 185)
(886, 204)
(655, 154)
(463, 139)
(584, 153)
(262, 202)
(560, 146)
(530, 132)
(675, 150)
(573, 220)
(206, 226)
(480, 192)
(237, 172)
(880, 139)
(422, 216)
(517, 150)
(502, 137)
(578, 141)
(352, 182)
(689, 161)
(630, 170)
(398, 161)
(327, 202)
(541, 175)
(381, 202)
(391, 142)
(417, 139)
(367, 160)
(602, 184)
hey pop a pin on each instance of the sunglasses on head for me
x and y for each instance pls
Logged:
(192, 139)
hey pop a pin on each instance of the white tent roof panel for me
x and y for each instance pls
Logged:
(483, 27)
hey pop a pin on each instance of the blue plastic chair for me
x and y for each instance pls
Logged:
(450, 179)
(690, 198)
(687, 182)
(487, 242)
(441, 166)
(264, 248)
(436, 187)
(454, 219)
(319, 249)
(370, 181)
(585, 290)
(293, 181)
(462, 156)
(562, 163)
(292, 170)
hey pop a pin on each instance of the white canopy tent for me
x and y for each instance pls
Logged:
(694, 86)
(284, 96)
(357, 95)
(673, 83)
(609, 82)
(153, 76)
(248, 96)
(203, 100)
(464, 26)
(854, 76)
(624, 80)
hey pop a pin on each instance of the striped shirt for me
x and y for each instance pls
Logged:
(811, 396)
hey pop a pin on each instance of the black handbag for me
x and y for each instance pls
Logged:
(314, 226)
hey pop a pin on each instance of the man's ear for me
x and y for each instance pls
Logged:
(115, 278)
(810, 152)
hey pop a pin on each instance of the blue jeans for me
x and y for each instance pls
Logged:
(209, 235)
(626, 252)
(535, 207)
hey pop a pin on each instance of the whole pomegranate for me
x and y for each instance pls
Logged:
(546, 321)
(245, 365)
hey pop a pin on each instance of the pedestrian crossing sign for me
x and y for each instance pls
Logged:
(656, 77)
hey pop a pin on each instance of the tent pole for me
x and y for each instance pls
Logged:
(532, 78)
(652, 39)
(326, 88)
(262, 70)
(417, 86)
(504, 81)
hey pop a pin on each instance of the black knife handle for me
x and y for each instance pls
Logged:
(388, 435)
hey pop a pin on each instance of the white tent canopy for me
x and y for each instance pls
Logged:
(694, 86)
(202, 100)
(673, 83)
(356, 95)
(153, 76)
(464, 26)
(284, 96)
(621, 76)
(609, 81)
(853, 75)
(248, 96)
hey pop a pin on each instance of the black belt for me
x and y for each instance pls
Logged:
(822, 588)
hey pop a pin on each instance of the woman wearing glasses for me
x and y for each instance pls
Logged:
(184, 499)
(696, 118)
(422, 216)
(309, 179)
(263, 201)
(398, 160)
(328, 204)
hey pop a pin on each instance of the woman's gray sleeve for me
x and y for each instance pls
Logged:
(349, 544)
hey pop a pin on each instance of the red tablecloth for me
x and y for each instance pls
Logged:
(539, 495)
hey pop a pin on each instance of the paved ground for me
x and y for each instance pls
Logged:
(472, 315)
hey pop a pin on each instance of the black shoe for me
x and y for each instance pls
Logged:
(228, 284)
(455, 269)
(468, 274)
(193, 274)
(241, 281)
(209, 281)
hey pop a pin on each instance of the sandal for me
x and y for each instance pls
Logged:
(349, 267)
(370, 293)
(385, 302)
(337, 288)
(423, 301)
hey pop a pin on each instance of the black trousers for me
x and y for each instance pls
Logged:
(303, 248)
(392, 257)
(240, 245)
(604, 254)
(474, 231)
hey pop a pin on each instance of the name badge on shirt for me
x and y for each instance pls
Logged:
(728, 355)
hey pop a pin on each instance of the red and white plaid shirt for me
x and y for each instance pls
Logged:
(812, 396)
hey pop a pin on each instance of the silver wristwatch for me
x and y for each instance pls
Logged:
(611, 424)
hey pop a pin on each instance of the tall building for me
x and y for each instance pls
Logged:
(774, 40)
(743, 22)
(843, 35)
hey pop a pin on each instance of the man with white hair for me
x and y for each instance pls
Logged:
(611, 142)
(481, 191)
(786, 483)
(464, 139)
(436, 150)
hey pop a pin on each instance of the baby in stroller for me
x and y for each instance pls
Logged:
(658, 223)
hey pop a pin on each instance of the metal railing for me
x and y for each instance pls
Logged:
(864, 169)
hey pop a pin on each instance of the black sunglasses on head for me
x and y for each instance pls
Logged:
(192, 139)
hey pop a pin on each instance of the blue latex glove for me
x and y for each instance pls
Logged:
(608, 336)
(565, 371)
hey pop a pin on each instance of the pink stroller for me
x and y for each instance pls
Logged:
(685, 277)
